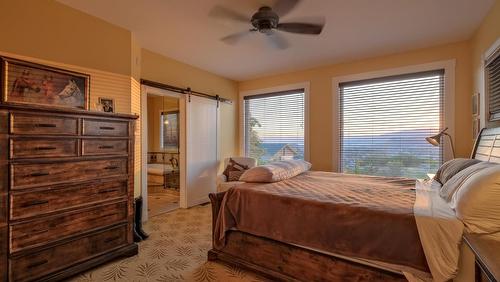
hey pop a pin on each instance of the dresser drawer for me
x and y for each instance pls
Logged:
(45, 230)
(33, 266)
(33, 175)
(93, 127)
(3, 254)
(44, 125)
(25, 204)
(102, 147)
(38, 148)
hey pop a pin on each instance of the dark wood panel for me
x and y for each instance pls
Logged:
(25, 204)
(4, 171)
(487, 253)
(3, 209)
(95, 127)
(38, 148)
(32, 266)
(4, 122)
(62, 111)
(43, 125)
(92, 147)
(285, 262)
(34, 175)
(3, 254)
(40, 231)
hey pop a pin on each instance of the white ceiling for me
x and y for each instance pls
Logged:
(355, 29)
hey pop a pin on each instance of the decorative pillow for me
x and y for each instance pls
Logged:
(477, 201)
(235, 175)
(233, 166)
(276, 171)
(452, 167)
(453, 184)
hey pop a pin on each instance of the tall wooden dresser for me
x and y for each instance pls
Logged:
(66, 191)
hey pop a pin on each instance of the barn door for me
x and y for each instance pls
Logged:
(202, 149)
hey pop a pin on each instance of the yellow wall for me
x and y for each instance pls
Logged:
(161, 69)
(321, 103)
(46, 29)
(485, 36)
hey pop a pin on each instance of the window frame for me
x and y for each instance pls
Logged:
(282, 88)
(484, 111)
(449, 101)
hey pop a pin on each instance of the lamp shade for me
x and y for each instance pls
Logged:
(434, 140)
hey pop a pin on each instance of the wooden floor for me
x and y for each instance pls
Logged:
(162, 202)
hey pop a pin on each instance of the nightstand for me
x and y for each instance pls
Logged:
(487, 253)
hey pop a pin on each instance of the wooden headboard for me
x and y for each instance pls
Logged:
(487, 146)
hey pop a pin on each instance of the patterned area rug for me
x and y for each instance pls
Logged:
(175, 251)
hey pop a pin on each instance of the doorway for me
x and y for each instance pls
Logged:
(180, 149)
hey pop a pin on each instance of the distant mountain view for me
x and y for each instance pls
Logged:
(403, 153)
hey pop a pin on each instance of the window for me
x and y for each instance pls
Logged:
(274, 126)
(492, 73)
(384, 122)
(169, 130)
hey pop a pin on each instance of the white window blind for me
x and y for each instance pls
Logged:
(384, 122)
(274, 126)
(492, 72)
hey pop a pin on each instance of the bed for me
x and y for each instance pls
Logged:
(266, 239)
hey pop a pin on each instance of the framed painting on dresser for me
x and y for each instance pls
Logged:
(34, 84)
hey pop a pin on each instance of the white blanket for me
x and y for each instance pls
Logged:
(440, 231)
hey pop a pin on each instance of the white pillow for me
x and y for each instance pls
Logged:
(276, 171)
(477, 201)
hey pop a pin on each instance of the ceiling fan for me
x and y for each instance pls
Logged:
(267, 21)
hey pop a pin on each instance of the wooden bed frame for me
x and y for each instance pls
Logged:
(285, 262)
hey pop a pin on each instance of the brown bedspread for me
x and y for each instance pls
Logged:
(358, 216)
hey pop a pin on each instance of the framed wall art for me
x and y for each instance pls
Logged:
(34, 84)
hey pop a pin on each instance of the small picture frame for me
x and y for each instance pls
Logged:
(475, 105)
(108, 104)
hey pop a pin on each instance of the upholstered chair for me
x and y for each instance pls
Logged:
(222, 183)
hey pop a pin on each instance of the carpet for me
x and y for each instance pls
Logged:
(175, 251)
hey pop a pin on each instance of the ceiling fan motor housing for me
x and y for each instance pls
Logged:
(265, 20)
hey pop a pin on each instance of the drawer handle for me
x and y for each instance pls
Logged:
(38, 263)
(108, 191)
(40, 231)
(106, 147)
(109, 240)
(35, 203)
(45, 125)
(106, 128)
(42, 148)
(39, 174)
(111, 167)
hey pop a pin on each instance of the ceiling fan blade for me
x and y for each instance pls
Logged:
(225, 13)
(277, 41)
(303, 28)
(283, 7)
(235, 37)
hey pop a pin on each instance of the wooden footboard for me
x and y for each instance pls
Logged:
(284, 262)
